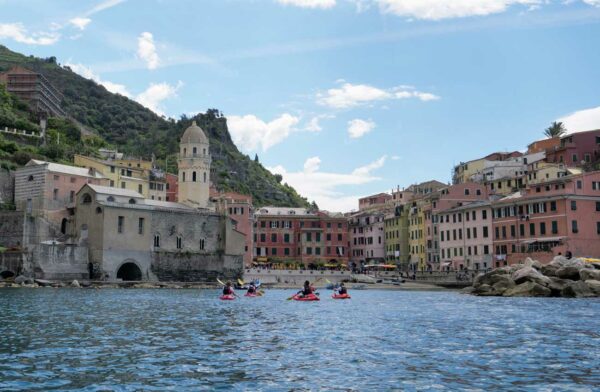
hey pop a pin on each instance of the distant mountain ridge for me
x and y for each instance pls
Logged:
(136, 130)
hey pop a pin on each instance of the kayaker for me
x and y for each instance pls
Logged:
(228, 290)
(306, 290)
(342, 289)
(252, 288)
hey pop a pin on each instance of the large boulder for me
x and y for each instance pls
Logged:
(528, 289)
(530, 274)
(557, 285)
(568, 272)
(75, 283)
(23, 280)
(483, 289)
(529, 262)
(594, 285)
(489, 278)
(503, 283)
(589, 274)
(559, 261)
(549, 269)
(577, 289)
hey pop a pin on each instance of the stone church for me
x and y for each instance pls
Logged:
(130, 237)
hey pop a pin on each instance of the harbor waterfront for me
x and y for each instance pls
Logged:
(125, 340)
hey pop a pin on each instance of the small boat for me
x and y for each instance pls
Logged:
(309, 297)
(228, 297)
(341, 296)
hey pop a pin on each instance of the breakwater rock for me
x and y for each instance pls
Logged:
(562, 277)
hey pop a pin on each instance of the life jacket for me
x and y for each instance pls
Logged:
(342, 290)
(227, 290)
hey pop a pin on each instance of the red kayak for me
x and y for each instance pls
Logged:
(250, 295)
(341, 296)
(309, 297)
(228, 297)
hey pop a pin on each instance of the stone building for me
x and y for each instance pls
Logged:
(130, 237)
(239, 208)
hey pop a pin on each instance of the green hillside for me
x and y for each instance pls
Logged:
(113, 120)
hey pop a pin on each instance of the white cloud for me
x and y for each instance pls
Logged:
(87, 73)
(147, 50)
(18, 33)
(595, 3)
(80, 23)
(582, 120)
(351, 95)
(153, 96)
(322, 186)
(103, 5)
(314, 123)
(250, 132)
(443, 9)
(358, 128)
(324, 4)
(395, 157)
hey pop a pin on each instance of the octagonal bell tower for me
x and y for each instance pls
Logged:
(194, 167)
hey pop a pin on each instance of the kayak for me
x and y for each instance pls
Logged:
(250, 295)
(309, 297)
(228, 297)
(341, 296)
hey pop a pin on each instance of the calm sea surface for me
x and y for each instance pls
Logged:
(129, 340)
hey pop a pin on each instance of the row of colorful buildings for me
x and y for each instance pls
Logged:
(498, 210)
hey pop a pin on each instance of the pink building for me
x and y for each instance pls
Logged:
(576, 148)
(367, 237)
(47, 190)
(465, 235)
(374, 201)
(549, 219)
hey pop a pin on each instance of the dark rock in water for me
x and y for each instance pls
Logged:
(528, 289)
(549, 269)
(557, 285)
(589, 274)
(503, 283)
(568, 272)
(23, 280)
(594, 285)
(483, 289)
(467, 290)
(577, 289)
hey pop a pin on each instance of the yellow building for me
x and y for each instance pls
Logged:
(133, 174)
(396, 237)
(541, 172)
(464, 170)
(416, 235)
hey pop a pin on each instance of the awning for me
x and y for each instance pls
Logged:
(545, 239)
(445, 264)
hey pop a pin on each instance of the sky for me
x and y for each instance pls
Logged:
(343, 98)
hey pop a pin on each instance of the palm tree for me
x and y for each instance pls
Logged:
(557, 129)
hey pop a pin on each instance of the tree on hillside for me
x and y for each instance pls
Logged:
(557, 129)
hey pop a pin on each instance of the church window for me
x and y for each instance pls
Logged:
(193, 176)
(86, 198)
(184, 151)
(179, 240)
(30, 178)
(183, 178)
(204, 151)
(204, 176)
(202, 244)
(156, 241)
(195, 151)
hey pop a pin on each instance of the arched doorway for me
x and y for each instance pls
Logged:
(6, 274)
(129, 271)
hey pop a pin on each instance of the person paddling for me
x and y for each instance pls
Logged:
(228, 290)
(306, 290)
(252, 288)
(342, 289)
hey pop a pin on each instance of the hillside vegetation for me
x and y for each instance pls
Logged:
(109, 119)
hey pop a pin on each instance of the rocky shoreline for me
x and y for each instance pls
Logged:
(22, 281)
(562, 277)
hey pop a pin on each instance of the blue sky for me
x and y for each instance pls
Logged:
(344, 98)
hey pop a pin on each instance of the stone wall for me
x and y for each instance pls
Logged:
(60, 261)
(11, 261)
(11, 228)
(196, 267)
(7, 187)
